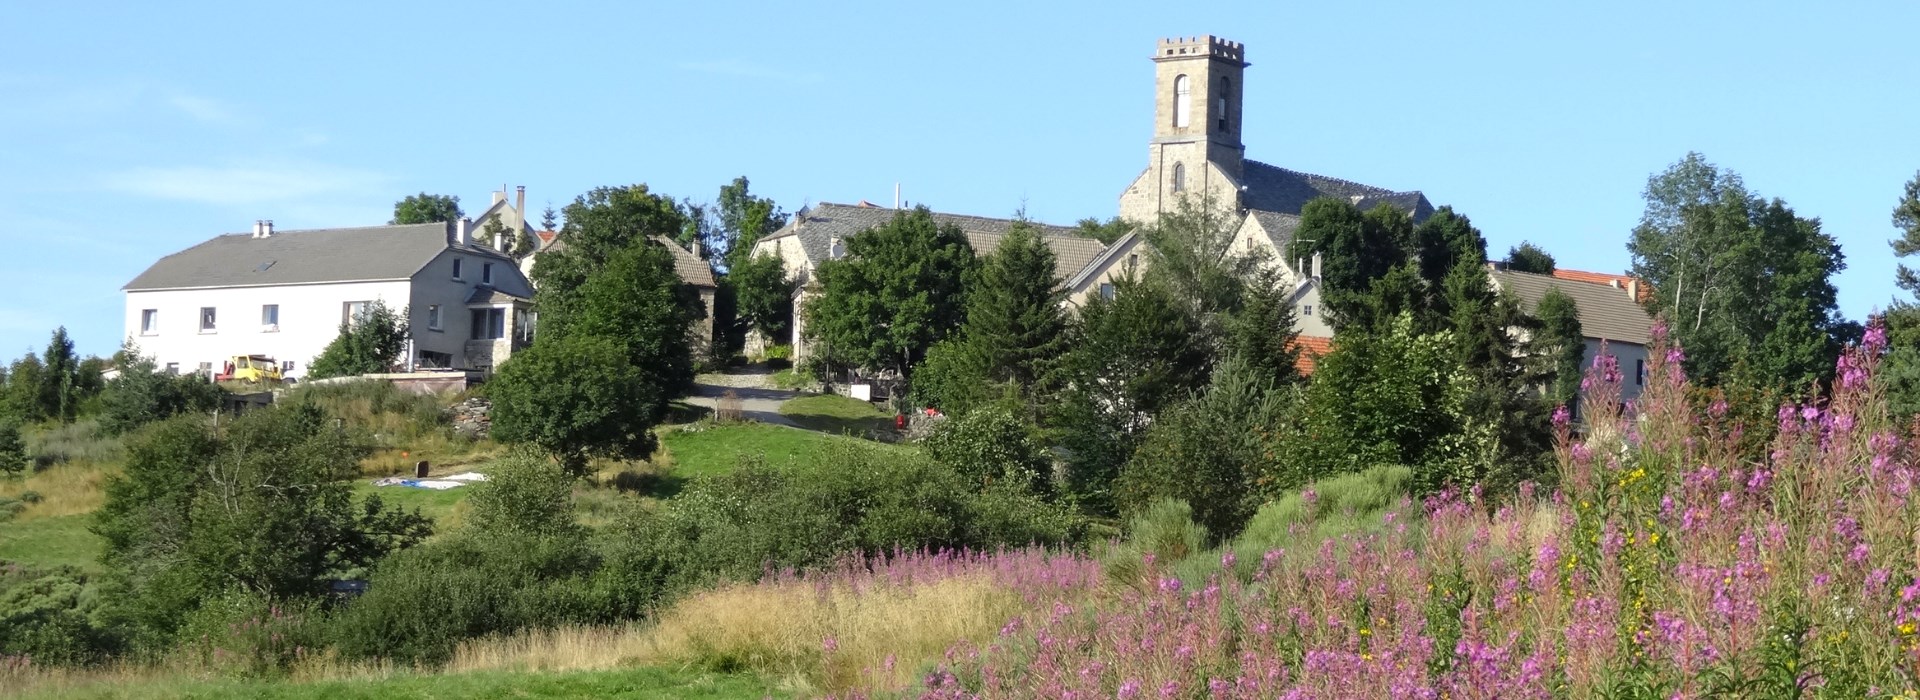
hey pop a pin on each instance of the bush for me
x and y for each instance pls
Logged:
(243, 634)
(992, 445)
(81, 441)
(141, 394)
(526, 495)
(1211, 451)
(737, 526)
(53, 617)
(577, 398)
(13, 452)
(371, 342)
(421, 603)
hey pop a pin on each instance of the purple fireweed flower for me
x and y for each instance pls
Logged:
(1170, 585)
(1718, 409)
(1128, 690)
(830, 645)
(1561, 417)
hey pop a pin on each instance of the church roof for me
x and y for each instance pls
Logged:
(1279, 190)
(817, 226)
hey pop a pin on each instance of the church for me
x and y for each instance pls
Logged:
(1195, 152)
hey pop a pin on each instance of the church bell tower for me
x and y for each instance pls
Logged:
(1196, 148)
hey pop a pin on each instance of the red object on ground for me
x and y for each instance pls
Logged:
(899, 421)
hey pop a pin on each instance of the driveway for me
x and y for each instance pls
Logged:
(757, 401)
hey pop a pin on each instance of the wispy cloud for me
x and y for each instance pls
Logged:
(244, 184)
(202, 109)
(743, 69)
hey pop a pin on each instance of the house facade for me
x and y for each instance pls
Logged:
(284, 294)
(1608, 306)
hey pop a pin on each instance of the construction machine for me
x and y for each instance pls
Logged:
(251, 369)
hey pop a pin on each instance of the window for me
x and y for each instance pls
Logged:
(1133, 259)
(456, 268)
(1639, 372)
(173, 368)
(206, 319)
(269, 317)
(1220, 105)
(286, 366)
(437, 360)
(206, 370)
(433, 317)
(149, 321)
(486, 273)
(1306, 310)
(1106, 290)
(1179, 177)
(489, 324)
(1182, 101)
(354, 311)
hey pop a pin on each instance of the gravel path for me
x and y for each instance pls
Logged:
(757, 401)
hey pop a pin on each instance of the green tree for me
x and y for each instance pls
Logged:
(1385, 395)
(60, 391)
(1105, 231)
(140, 394)
(994, 445)
(1193, 255)
(1133, 355)
(13, 451)
(1564, 344)
(763, 294)
(599, 224)
(1261, 333)
(1357, 248)
(1528, 257)
(900, 289)
(576, 398)
(744, 220)
(23, 398)
(637, 301)
(1744, 281)
(264, 505)
(1014, 317)
(1902, 366)
(549, 220)
(371, 342)
(1212, 450)
(426, 208)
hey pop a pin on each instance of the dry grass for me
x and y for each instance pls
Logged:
(880, 634)
(69, 488)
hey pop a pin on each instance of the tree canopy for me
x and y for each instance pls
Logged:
(1743, 281)
(426, 208)
(374, 340)
(900, 288)
(1528, 257)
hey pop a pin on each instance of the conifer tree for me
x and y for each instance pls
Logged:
(1014, 318)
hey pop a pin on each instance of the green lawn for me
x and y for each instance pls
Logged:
(717, 449)
(636, 684)
(48, 542)
(833, 413)
(436, 505)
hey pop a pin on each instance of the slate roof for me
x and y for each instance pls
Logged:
(1279, 190)
(485, 294)
(1606, 312)
(817, 226)
(304, 257)
(687, 266)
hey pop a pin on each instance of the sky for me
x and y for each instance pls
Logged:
(131, 131)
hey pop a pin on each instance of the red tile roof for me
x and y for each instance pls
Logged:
(1311, 350)
(1616, 281)
(546, 236)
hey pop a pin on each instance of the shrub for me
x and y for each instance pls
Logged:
(525, 495)
(13, 452)
(990, 446)
(1211, 451)
(243, 634)
(421, 603)
(141, 394)
(577, 398)
(53, 617)
(371, 342)
(79, 442)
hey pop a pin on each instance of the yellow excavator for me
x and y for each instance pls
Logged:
(251, 369)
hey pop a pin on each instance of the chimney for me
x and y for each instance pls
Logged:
(1633, 289)
(266, 228)
(500, 195)
(519, 209)
(696, 249)
(257, 223)
(463, 231)
(1316, 266)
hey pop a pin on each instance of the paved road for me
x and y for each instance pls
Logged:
(757, 401)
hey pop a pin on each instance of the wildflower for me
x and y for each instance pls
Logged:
(1561, 417)
(830, 645)
(1129, 690)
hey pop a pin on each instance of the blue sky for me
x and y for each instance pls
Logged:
(130, 132)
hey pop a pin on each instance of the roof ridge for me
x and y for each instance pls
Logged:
(1341, 180)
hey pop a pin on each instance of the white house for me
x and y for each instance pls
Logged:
(284, 294)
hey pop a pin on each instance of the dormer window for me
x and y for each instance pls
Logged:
(1182, 101)
(456, 269)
